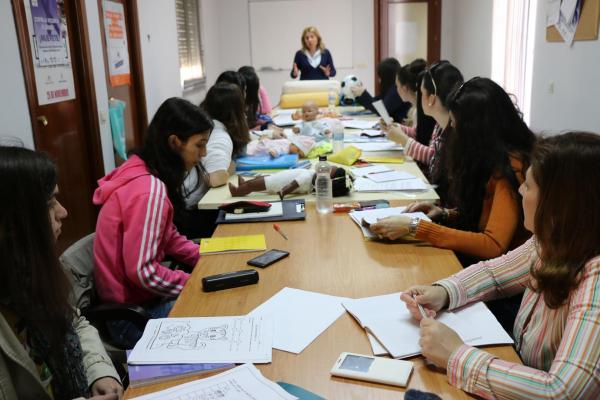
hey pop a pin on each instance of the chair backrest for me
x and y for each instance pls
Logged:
(78, 262)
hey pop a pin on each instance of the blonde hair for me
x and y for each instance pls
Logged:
(314, 31)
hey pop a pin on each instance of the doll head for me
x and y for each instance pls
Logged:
(309, 111)
(301, 145)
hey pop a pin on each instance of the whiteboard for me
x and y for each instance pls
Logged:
(276, 26)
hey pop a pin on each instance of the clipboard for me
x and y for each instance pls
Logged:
(293, 210)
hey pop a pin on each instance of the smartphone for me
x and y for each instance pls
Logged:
(373, 369)
(268, 258)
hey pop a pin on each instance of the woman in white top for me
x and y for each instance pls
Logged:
(224, 103)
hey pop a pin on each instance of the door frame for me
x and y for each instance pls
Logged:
(434, 30)
(87, 95)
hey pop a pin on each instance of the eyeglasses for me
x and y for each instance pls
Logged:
(430, 72)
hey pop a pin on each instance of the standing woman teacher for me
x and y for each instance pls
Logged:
(313, 61)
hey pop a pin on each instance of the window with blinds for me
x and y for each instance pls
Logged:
(189, 43)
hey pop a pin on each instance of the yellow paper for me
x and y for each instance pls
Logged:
(230, 244)
(385, 160)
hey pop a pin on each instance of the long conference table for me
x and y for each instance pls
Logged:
(328, 255)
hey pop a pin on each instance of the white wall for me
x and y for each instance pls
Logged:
(95, 35)
(573, 71)
(466, 39)
(160, 57)
(234, 43)
(14, 111)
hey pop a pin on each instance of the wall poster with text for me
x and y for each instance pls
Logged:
(49, 38)
(116, 43)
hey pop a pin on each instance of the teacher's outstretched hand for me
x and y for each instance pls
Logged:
(313, 60)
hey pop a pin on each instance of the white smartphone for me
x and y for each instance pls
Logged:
(373, 369)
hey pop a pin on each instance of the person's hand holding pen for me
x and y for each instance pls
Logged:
(438, 341)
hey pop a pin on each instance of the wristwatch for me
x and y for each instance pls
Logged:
(412, 226)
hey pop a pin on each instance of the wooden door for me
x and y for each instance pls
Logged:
(407, 29)
(132, 93)
(67, 130)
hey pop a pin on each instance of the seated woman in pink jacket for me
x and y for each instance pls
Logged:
(135, 230)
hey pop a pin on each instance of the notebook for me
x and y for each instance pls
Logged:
(232, 244)
(140, 375)
(292, 210)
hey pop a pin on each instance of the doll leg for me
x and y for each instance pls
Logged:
(246, 187)
(289, 188)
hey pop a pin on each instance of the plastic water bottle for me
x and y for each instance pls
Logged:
(338, 136)
(331, 99)
(323, 186)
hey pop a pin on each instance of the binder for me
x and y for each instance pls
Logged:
(293, 210)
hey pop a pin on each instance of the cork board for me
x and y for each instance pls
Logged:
(587, 29)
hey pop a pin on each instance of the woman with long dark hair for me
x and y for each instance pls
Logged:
(135, 230)
(257, 101)
(558, 271)
(408, 83)
(396, 107)
(47, 350)
(485, 159)
(438, 81)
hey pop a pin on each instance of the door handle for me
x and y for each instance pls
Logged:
(43, 120)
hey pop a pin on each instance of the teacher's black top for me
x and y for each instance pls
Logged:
(307, 71)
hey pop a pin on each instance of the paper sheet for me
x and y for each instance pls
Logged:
(299, 317)
(381, 110)
(284, 120)
(359, 123)
(241, 383)
(372, 216)
(552, 12)
(379, 146)
(388, 319)
(371, 169)
(390, 176)
(236, 339)
(367, 185)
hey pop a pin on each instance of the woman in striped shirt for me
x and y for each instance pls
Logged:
(438, 82)
(557, 330)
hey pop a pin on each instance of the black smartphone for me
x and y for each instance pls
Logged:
(268, 258)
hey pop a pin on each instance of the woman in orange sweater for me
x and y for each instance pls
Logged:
(485, 160)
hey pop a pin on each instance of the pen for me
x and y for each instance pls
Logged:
(278, 229)
(421, 309)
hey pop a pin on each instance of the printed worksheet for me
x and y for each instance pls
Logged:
(205, 340)
(241, 383)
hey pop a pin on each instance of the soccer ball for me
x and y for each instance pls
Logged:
(347, 97)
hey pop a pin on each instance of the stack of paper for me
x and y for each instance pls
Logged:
(283, 120)
(367, 185)
(232, 244)
(372, 216)
(359, 123)
(241, 383)
(388, 320)
(235, 339)
(299, 317)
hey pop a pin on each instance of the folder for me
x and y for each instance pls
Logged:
(232, 244)
(293, 210)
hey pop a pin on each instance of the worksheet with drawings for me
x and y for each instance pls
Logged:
(276, 26)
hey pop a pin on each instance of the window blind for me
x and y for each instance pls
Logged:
(189, 41)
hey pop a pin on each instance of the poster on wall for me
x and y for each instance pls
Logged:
(49, 38)
(116, 43)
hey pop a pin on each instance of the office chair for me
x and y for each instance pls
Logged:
(78, 262)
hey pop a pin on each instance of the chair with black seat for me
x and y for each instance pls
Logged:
(78, 262)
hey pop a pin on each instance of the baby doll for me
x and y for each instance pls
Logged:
(296, 144)
(289, 181)
(310, 126)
